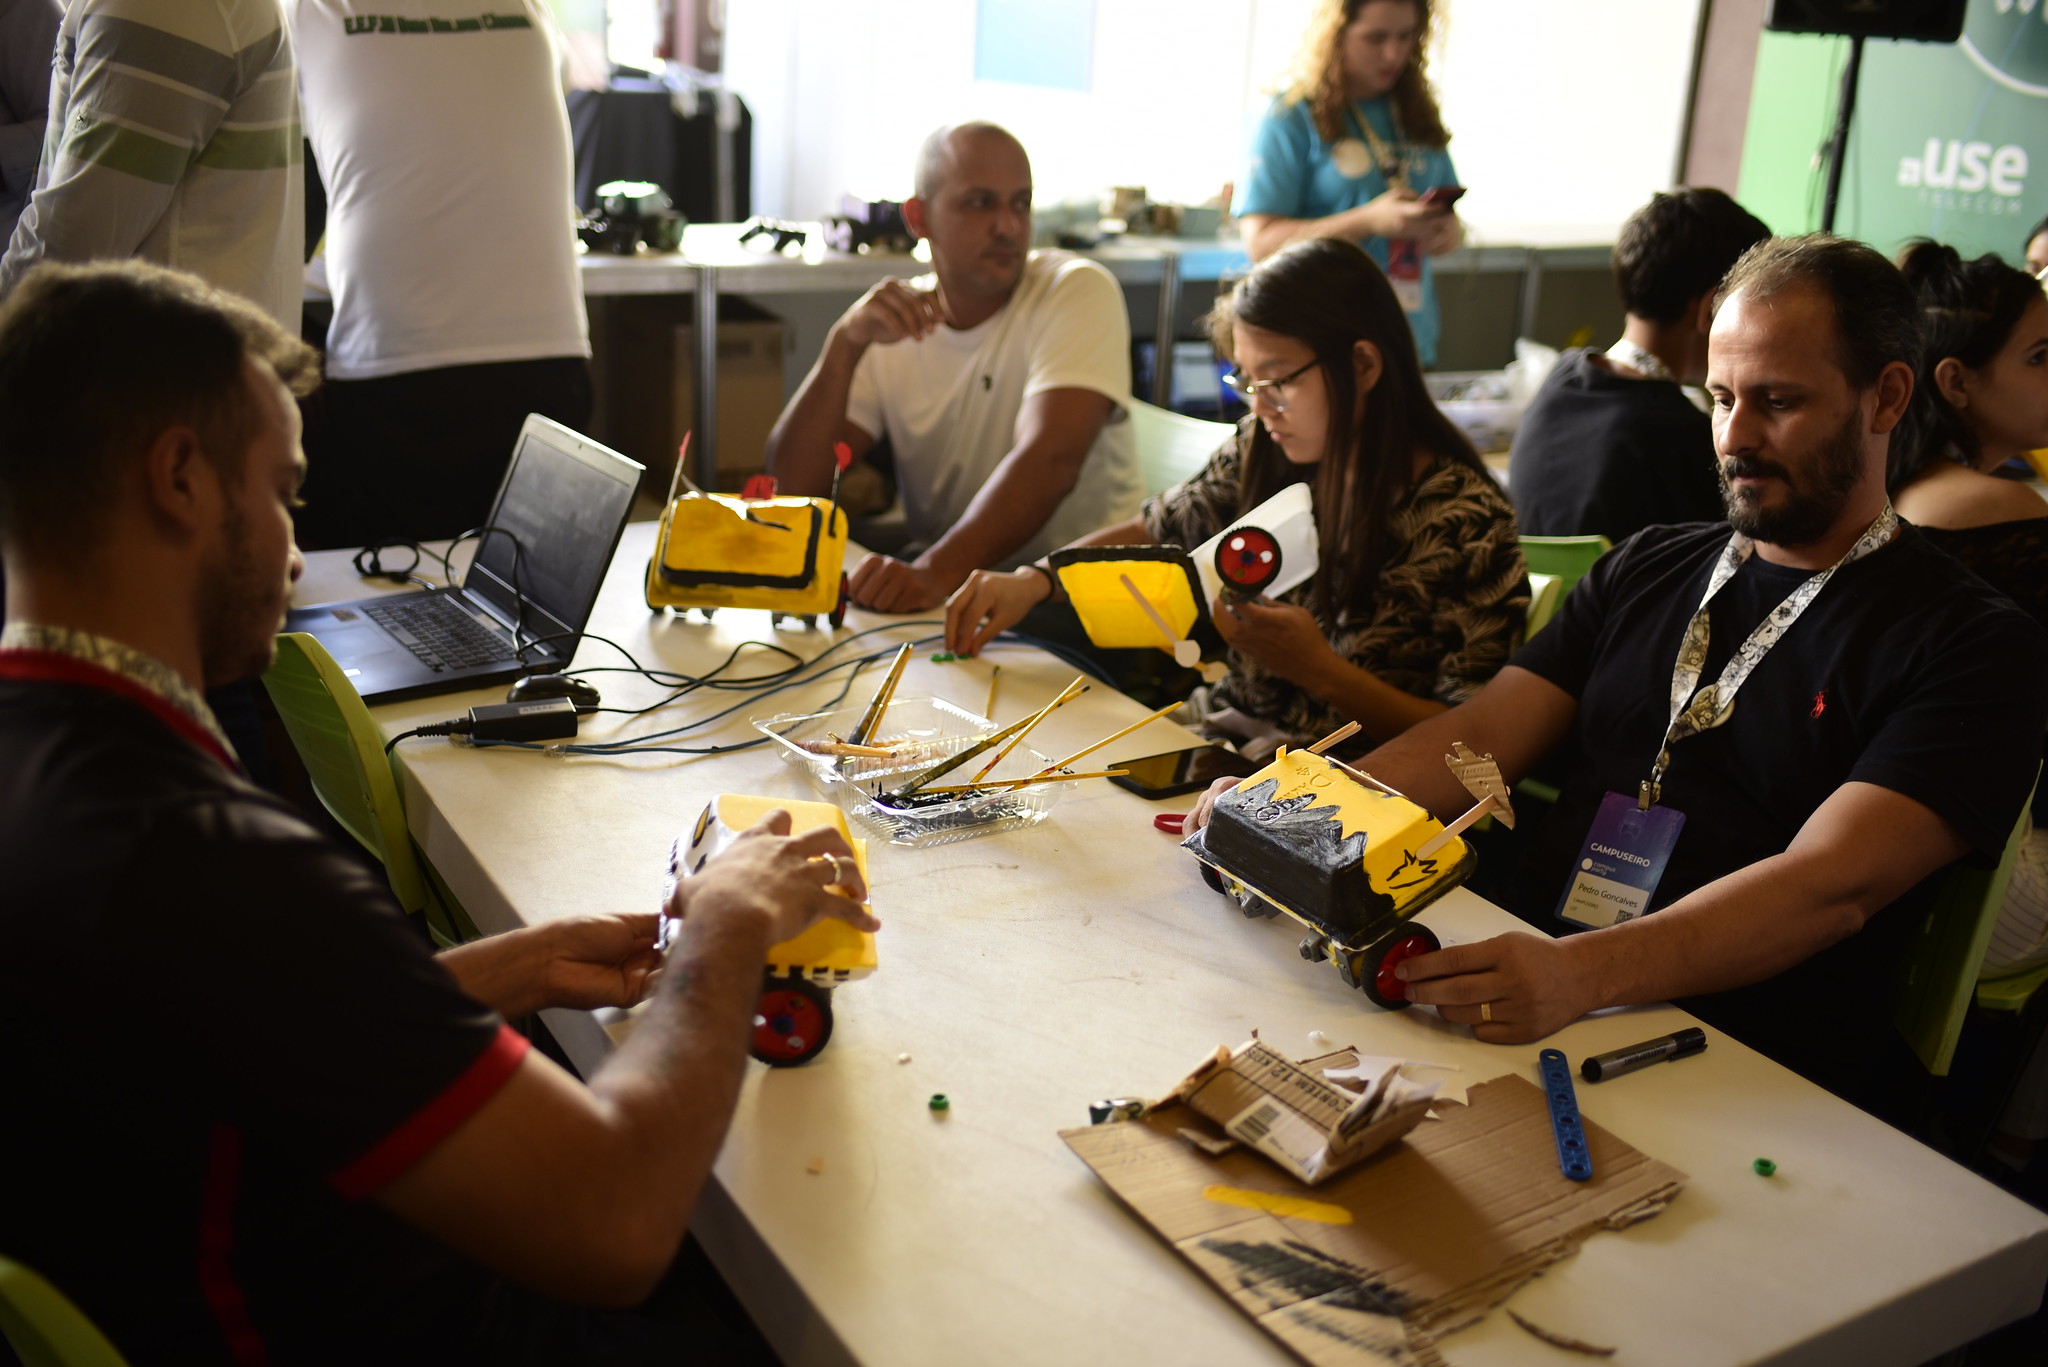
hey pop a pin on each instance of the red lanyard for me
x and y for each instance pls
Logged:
(49, 666)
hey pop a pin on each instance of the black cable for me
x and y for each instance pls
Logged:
(855, 665)
(800, 673)
(457, 727)
(518, 558)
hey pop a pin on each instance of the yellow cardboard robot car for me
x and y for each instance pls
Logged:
(750, 550)
(1345, 855)
(794, 1018)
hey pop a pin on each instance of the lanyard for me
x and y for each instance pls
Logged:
(1692, 713)
(1393, 165)
(47, 666)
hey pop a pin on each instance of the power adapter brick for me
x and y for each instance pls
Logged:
(545, 719)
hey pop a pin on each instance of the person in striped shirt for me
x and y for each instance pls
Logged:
(173, 136)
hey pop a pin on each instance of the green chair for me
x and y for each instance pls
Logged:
(45, 1328)
(1567, 557)
(1940, 978)
(2011, 994)
(1546, 591)
(1172, 446)
(344, 757)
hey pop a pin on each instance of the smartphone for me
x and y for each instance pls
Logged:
(1443, 196)
(1182, 771)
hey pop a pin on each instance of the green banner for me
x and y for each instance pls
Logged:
(1949, 141)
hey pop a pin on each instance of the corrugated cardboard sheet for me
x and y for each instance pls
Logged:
(1443, 1226)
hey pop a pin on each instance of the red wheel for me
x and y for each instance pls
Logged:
(1211, 877)
(792, 1022)
(1373, 971)
(1248, 559)
(838, 614)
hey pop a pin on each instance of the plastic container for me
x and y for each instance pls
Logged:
(921, 731)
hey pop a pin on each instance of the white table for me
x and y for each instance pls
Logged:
(1029, 973)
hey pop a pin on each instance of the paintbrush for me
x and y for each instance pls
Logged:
(1006, 784)
(1068, 694)
(873, 717)
(1113, 736)
(952, 762)
(843, 750)
(988, 709)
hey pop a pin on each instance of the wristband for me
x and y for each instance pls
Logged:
(1052, 583)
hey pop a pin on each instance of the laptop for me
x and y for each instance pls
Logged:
(565, 499)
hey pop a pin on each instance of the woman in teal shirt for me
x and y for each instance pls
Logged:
(1352, 147)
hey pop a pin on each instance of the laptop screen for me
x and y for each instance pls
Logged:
(565, 501)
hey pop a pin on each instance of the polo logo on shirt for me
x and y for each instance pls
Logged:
(987, 383)
(1820, 704)
(392, 23)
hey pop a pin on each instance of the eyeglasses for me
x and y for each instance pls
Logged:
(1273, 392)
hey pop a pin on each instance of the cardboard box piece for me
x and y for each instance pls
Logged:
(1378, 1264)
(1288, 1111)
(656, 403)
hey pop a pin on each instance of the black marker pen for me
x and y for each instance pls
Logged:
(1685, 1043)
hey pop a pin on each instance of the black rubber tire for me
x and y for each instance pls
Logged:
(793, 1021)
(838, 617)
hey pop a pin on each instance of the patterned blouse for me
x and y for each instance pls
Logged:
(1452, 598)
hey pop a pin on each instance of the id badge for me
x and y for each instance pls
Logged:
(1622, 860)
(1404, 272)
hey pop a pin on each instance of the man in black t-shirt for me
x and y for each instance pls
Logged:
(1885, 724)
(1611, 444)
(250, 1118)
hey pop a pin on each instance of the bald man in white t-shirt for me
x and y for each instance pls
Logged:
(1002, 381)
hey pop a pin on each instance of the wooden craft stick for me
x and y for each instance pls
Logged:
(1113, 736)
(1164, 630)
(1068, 694)
(1005, 784)
(1338, 736)
(1450, 832)
(988, 708)
(873, 717)
(1367, 779)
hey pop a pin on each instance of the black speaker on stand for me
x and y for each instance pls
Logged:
(1920, 21)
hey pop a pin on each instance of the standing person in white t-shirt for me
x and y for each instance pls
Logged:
(1002, 381)
(451, 254)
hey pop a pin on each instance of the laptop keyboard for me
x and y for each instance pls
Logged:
(443, 635)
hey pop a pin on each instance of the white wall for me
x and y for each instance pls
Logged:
(1566, 113)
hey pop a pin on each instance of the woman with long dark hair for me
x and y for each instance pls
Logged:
(1421, 592)
(1981, 398)
(1351, 147)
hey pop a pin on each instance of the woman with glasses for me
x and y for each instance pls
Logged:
(1353, 147)
(1421, 591)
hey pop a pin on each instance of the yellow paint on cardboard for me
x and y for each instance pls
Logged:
(1290, 1207)
(1112, 618)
